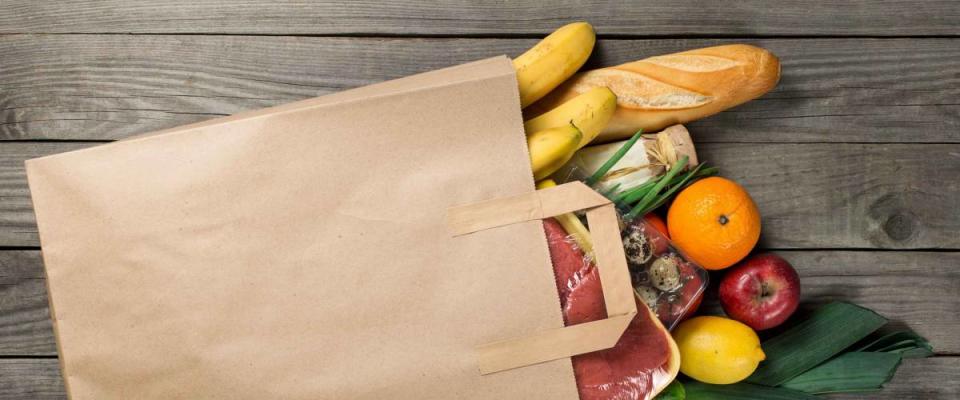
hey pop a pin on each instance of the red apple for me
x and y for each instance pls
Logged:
(762, 291)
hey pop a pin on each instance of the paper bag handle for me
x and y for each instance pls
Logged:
(610, 262)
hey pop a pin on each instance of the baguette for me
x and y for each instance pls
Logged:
(660, 91)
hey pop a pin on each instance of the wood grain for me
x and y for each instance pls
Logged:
(34, 379)
(920, 379)
(102, 87)
(916, 379)
(25, 327)
(819, 195)
(913, 289)
(893, 196)
(458, 17)
(18, 226)
(857, 148)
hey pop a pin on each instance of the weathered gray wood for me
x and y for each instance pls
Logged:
(915, 289)
(104, 87)
(458, 17)
(113, 86)
(912, 289)
(33, 379)
(810, 195)
(895, 196)
(916, 379)
(18, 226)
(25, 327)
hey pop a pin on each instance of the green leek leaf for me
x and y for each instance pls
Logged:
(674, 391)
(829, 330)
(741, 391)
(850, 372)
(902, 345)
(907, 343)
(916, 352)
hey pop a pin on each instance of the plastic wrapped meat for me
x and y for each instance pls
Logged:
(640, 364)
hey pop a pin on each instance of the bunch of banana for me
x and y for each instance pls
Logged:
(553, 60)
(550, 136)
(554, 136)
(551, 148)
(590, 111)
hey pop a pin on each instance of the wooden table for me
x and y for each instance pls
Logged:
(853, 160)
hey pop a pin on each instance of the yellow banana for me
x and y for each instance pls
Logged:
(572, 224)
(551, 148)
(550, 62)
(590, 111)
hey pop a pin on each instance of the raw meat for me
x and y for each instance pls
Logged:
(629, 369)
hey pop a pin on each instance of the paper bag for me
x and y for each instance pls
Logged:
(303, 251)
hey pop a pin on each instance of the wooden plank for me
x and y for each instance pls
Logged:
(914, 289)
(916, 379)
(446, 17)
(31, 379)
(826, 195)
(18, 226)
(112, 86)
(25, 327)
(893, 196)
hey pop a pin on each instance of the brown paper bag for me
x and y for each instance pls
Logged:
(304, 252)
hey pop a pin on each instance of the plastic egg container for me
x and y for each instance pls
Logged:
(663, 278)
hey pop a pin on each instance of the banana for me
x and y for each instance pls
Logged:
(554, 59)
(551, 148)
(572, 224)
(590, 111)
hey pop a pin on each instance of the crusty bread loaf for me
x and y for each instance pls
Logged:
(673, 89)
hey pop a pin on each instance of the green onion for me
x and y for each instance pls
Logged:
(592, 180)
(741, 391)
(674, 391)
(825, 333)
(650, 197)
(851, 372)
(673, 188)
(634, 194)
(609, 193)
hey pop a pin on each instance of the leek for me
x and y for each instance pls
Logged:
(828, 331)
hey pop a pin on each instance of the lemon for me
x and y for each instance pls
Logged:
(717, 350)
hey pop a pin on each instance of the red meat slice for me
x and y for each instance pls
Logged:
(626, 371)
(568, 261)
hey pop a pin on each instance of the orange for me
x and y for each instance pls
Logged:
(715, 222)
(657, 222)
